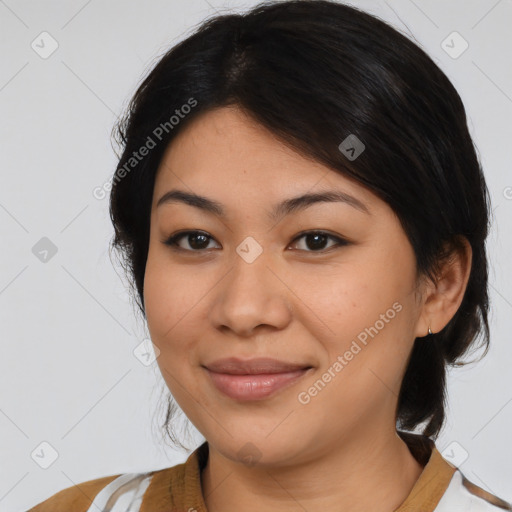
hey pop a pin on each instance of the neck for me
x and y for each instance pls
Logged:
(360, 473)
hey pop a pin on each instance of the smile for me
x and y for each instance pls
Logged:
(255, 386)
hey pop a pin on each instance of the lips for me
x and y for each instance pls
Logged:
(266, 365)
(254, 379)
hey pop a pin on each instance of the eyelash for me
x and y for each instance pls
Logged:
(172, 241)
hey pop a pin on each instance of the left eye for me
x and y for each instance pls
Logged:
(198, 241)
(318, 238)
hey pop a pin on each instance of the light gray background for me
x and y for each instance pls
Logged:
(68, 375)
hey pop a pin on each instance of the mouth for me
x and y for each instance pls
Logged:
(254, 379)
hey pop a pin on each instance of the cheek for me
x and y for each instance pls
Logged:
(163, 311)
(175, 311)
(362, 312)
(345, 298)
(158, 296)
(166, 311)
(168, 297)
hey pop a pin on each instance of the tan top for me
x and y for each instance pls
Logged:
(439, 488)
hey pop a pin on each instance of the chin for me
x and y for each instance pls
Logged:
(253, 449)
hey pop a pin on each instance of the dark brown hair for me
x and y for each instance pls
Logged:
(314, 72)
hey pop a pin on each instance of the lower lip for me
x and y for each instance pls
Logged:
(254, 387)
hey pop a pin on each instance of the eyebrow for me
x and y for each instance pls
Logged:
(280, 210)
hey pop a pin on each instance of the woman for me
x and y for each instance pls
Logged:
(303, 216)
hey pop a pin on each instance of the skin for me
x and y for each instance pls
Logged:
(297, 302)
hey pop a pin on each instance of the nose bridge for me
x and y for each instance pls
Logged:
(250, 282)
(251, 295)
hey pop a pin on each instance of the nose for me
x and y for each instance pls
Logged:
(252, 295)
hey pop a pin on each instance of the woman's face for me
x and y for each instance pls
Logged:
(252, 284)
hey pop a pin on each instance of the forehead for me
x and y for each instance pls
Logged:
(228, 155)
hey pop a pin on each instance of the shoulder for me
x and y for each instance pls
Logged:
(98, 494)
(163, 489)
(463, 495)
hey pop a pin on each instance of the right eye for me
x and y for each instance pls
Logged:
(197, 240)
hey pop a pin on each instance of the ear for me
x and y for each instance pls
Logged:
(443, 298)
